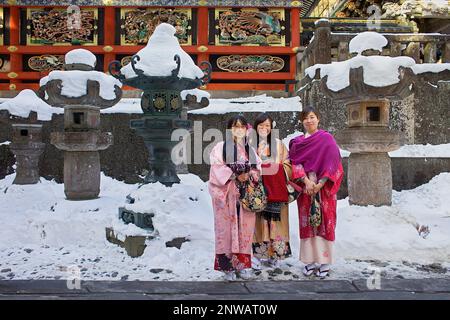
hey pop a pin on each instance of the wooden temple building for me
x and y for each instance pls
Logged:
(252, 45)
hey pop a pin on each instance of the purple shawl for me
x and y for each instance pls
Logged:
(318, 153)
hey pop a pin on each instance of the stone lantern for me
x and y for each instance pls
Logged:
(162, 70)
(367, 102)
(82, 138)
(161, 101)
(27, 146)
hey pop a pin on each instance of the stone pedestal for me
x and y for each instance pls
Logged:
(27, 147)
(370, 179)
(81, 161)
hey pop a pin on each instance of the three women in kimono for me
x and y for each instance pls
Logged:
(313, 161)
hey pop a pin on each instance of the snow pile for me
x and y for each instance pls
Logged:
(74, 82)
(44, 235)
(27, 101)
(80, 56)
(199, 94)
(157, 57)
(366, 41)
(416, 151)
(422, 151)
(430, 67)
(379, 71)
(65, 231)
(390, 233)
(261, 103)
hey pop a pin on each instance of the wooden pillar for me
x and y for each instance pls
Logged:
(295, 44)
(430, 53)
(109, 27)
(15, 56)
(202, 34)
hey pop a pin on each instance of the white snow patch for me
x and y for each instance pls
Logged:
(80, 56)
(74, 82)
(157, 57)
(379, 71)
(27, 101)
(416, 151)
(5, 143)
(199, 94)
(260, 103)
(367, 40)
(430, 67)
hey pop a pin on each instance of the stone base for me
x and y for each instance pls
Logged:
(81, 175)
(134, 245)
(27, 159)
(370, 179)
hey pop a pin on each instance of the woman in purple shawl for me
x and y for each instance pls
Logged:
(316, 165)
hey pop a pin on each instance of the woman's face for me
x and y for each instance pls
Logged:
(311, 122)
(239, 130)
(264, 128)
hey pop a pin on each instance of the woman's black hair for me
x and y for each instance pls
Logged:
(270, 141)
(235, 119)
(307, 110)
(229, 145)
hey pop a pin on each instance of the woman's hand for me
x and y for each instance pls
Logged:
(243, 177)
(318, 186)
(310, 186)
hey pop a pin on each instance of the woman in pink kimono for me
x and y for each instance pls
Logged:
(233, 162)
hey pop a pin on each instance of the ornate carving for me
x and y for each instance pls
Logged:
(250, 27)
(138, 25)
(46, 27)
(46, 62)
(250, 63)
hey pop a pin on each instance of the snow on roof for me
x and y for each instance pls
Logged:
(27, 101)
(367, 40)
(430, 67)
(199, 94)
(80, 56)
(261, 103)
(74, 82)
(379, 71)
(157, 57)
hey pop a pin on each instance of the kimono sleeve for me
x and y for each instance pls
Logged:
(219, 173)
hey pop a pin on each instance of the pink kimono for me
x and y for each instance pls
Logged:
(233, 231)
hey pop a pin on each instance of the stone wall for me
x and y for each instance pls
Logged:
(126, 159)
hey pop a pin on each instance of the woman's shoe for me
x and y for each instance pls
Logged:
(323, 271)
(309, 269)
(246, 274)
(256, 264)
(229, 276)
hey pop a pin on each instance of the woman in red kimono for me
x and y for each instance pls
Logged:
(316, 164)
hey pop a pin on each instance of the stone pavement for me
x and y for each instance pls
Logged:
(390, 289)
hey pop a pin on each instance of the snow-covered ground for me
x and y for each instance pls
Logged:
(42, 235)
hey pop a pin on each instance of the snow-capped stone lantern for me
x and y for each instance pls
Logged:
(27, 146)
(82, 92)
(162, 70)
(365, 84)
